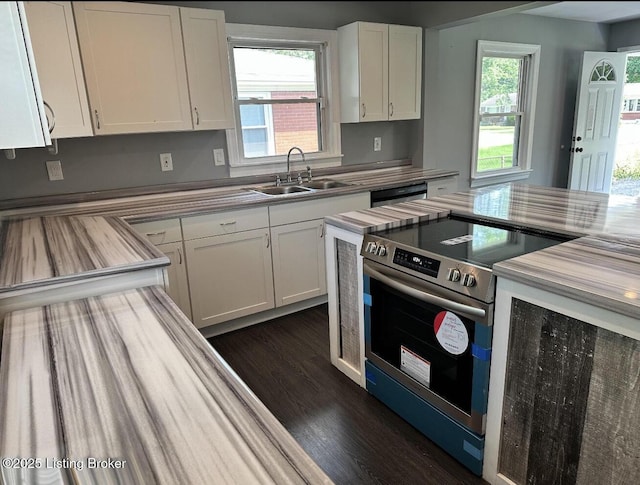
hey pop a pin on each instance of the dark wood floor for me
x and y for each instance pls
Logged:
(352, 436)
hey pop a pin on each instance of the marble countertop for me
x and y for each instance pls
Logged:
(603, 272)
(601, 266)
(126, 377)
(193, 202)
(39, 251)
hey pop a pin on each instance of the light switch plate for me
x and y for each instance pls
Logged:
(54, 169)
(377, 144)
(218, 156)
(165, 162)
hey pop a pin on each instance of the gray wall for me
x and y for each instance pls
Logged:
(450, 84)
(624, 34)
(442, 139)
(124, 161)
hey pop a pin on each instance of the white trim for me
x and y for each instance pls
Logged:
(507, 49)
(500, 177)
(631, 48)
(331, 156)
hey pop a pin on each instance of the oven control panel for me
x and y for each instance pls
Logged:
(416, 262)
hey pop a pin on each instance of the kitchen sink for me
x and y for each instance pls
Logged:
(307, 187)
(282, 189)
(322, 184)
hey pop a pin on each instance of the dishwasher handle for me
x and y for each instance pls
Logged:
(423, 296)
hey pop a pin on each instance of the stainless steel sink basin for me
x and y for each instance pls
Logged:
(282, 189)
(322, 184)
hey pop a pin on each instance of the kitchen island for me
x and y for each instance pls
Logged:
(591, 283)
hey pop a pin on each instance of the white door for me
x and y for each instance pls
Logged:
(596, 121)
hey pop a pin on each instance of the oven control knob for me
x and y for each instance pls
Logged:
(453, 274)
(382, 250)
(371, 247)
(468, 280)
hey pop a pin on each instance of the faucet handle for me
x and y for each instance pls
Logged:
(299, 178)
(278, 181)
(309, 173)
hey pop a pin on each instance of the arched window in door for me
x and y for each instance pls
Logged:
(603, 71)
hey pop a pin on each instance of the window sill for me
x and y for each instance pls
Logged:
(315, 161)
(499, 178)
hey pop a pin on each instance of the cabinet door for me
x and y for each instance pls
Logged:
(373, 42)
(205, 48)
(134, 65)
(55, 46)
(405, 72)
(176, 284)
(441, 187)
(298, 261)
(229, 276)
(23, 121)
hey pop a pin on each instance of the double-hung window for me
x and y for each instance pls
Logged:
(506, 83)
(283, 83)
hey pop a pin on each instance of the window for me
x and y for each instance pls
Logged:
(506, 81)
(283, 80)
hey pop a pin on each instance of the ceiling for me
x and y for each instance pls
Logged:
(602, 12)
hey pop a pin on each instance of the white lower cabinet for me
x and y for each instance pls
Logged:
(242, 262)
(442, 187)
(230, 276)
(176, 283)
(166, 235)
(298, 261)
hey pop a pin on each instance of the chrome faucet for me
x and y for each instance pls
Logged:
(288, 161)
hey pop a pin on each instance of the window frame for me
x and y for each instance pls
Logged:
(526, 109)
(327, 80)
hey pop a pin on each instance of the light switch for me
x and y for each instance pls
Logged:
(377, 144)
(218, 156)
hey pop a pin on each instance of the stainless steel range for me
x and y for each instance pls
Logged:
(429, 292)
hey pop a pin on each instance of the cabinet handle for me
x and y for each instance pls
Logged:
(322, 230)
(268, 239)
(197, 115)
(52, 123)
(179, 256)
(227, 223)
(390, 109)
(364, 110)
(97, 118)
(149, 234)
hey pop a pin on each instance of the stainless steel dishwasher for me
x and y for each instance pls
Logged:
(398, 194)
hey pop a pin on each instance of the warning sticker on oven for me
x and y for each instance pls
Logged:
(457, 240)
(451, 333)
(415, 366)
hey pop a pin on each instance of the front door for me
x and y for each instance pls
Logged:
(596, 121)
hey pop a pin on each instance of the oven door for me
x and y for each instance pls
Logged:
(435, 342)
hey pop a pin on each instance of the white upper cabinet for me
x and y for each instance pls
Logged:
(55, 46)
(380, 72)
(134, 66)
(205, 47)
(405, 72)
(23, 121)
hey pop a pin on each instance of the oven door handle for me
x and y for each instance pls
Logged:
(426, 297)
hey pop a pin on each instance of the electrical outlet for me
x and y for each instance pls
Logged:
(218, 156)
(165, 162)
(377, 144)
(54, 169)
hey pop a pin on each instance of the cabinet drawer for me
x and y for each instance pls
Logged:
(221, 223)
(317, 208)
(442, 187)
(160, 232)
